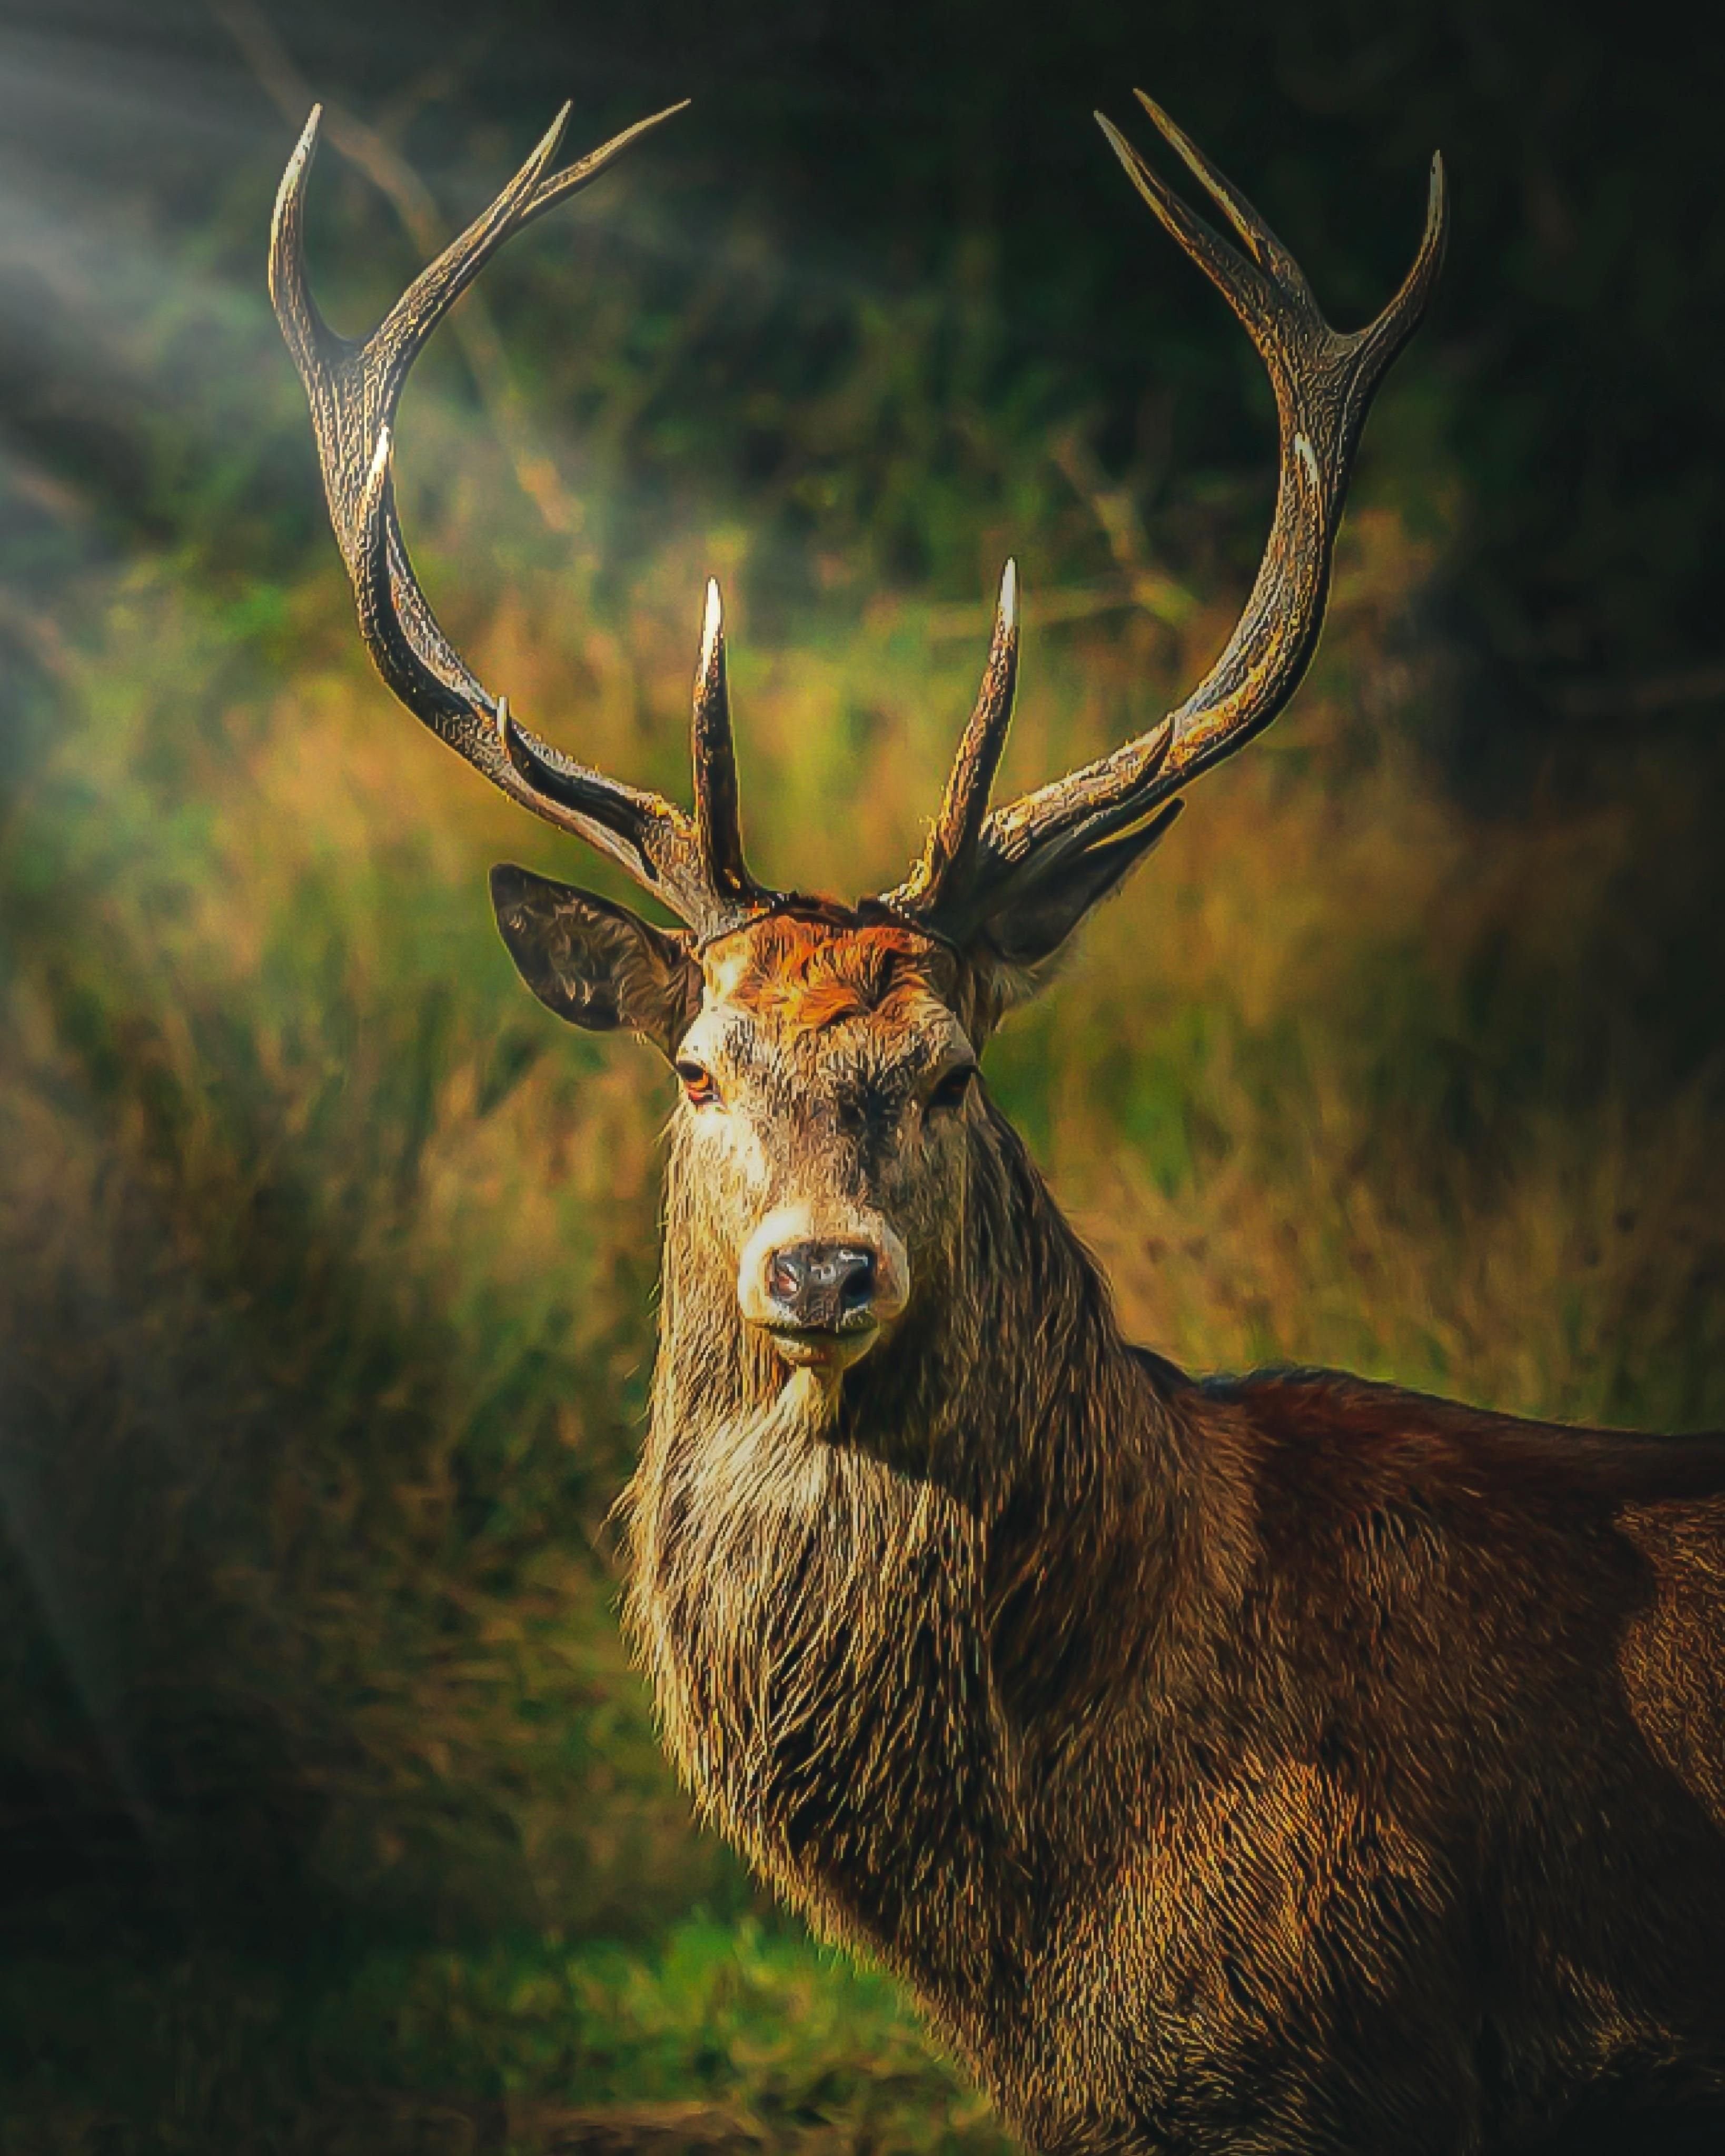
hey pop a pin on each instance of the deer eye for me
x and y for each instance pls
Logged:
(699, 1087)
(952, 1088)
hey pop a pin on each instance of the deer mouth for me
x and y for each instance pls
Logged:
(825, 1347)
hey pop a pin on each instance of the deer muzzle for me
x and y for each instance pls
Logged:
(822, 1288)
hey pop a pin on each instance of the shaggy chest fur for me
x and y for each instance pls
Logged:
(813, 1620)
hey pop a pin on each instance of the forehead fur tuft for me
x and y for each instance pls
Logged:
(811, 973)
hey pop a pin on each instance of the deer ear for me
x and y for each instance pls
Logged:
(596, 964)
(1026, 936)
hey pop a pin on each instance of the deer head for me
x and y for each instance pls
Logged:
(827, 1053)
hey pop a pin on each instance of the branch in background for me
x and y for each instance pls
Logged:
(35, 632)
(1048, 605)
(1647, 698)
(1148, 586)
(372, 153)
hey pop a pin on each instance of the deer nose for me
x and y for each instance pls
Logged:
(823, 1287)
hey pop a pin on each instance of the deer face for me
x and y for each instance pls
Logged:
(827, 1072)
(825, 1079)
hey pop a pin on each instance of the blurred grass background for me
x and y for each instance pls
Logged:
(330, 1817)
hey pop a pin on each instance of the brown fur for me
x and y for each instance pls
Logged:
(1282, 1763)
(797, 971)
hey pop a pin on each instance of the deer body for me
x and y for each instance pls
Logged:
(1283, 1764)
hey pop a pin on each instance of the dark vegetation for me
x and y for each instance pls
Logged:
(329, 1816)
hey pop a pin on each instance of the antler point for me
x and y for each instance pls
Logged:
(303, 150)
(1166, 126)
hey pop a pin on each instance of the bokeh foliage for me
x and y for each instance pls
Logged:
(332, 1814)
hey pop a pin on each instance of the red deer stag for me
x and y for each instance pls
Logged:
(1277, 1763)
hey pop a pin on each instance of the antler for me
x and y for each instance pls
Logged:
(695, 864)
(974, 865)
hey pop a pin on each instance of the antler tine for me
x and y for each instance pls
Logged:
(948, 857)
(1260, 242)
(353, 388)
(529, 195)
(1324, 382)
(718, 822)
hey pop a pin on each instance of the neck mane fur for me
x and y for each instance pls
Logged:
(883, 1628)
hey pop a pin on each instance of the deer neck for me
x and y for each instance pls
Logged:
(867, 1618)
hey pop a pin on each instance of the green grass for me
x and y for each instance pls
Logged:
(719, 2036)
